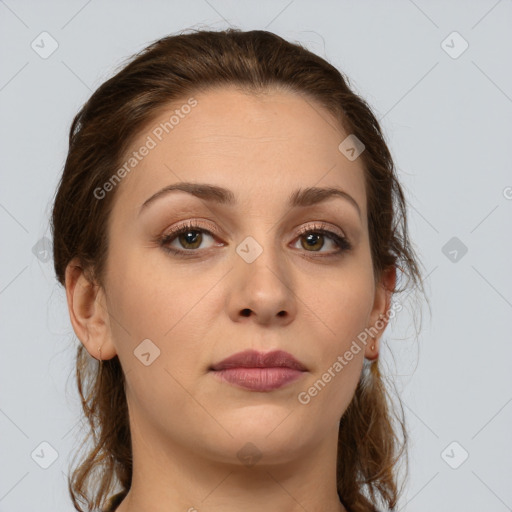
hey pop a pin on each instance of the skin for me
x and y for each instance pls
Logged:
(187, 426)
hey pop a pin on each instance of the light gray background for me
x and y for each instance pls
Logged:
(448, 122)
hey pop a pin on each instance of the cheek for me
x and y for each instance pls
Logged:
(151, 299)
(166, 306)
(343, 311)
(342, 306)
(342, 316)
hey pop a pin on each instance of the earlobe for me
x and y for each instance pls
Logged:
(88, 312)
(372, 349)
(379, 317)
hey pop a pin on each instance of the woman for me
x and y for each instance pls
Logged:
(228, 229)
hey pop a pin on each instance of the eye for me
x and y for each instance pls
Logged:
(189, 237)
(313, 240)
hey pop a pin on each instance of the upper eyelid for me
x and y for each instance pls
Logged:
(197, 224)
(323, 225)
(194, 224)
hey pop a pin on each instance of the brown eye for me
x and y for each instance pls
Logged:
(189, 238)
(313, 240)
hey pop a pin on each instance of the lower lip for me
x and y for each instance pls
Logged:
(259, 379)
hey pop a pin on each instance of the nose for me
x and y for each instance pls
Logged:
(261, 285)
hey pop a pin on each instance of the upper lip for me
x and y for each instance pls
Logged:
(255, 359)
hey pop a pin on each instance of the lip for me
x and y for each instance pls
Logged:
(255, 359)
(258, 371)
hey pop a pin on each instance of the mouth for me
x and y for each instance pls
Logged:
(257, 371)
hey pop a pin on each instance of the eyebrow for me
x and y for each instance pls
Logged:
(300, 198)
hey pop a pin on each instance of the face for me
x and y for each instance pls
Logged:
(253, 271)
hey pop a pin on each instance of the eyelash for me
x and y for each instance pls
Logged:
(343, 244)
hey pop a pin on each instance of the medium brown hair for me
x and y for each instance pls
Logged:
(372, 433)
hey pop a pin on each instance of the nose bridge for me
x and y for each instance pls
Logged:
(259, 253)
(264, 279)
(257, 231)
(260, 248)
(259, 227)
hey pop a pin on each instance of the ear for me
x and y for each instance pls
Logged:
(88, 312)
(379, 317)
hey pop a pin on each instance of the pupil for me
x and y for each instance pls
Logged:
(190, 237)
(312, 239)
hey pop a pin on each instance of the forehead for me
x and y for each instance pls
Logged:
(258, 145)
